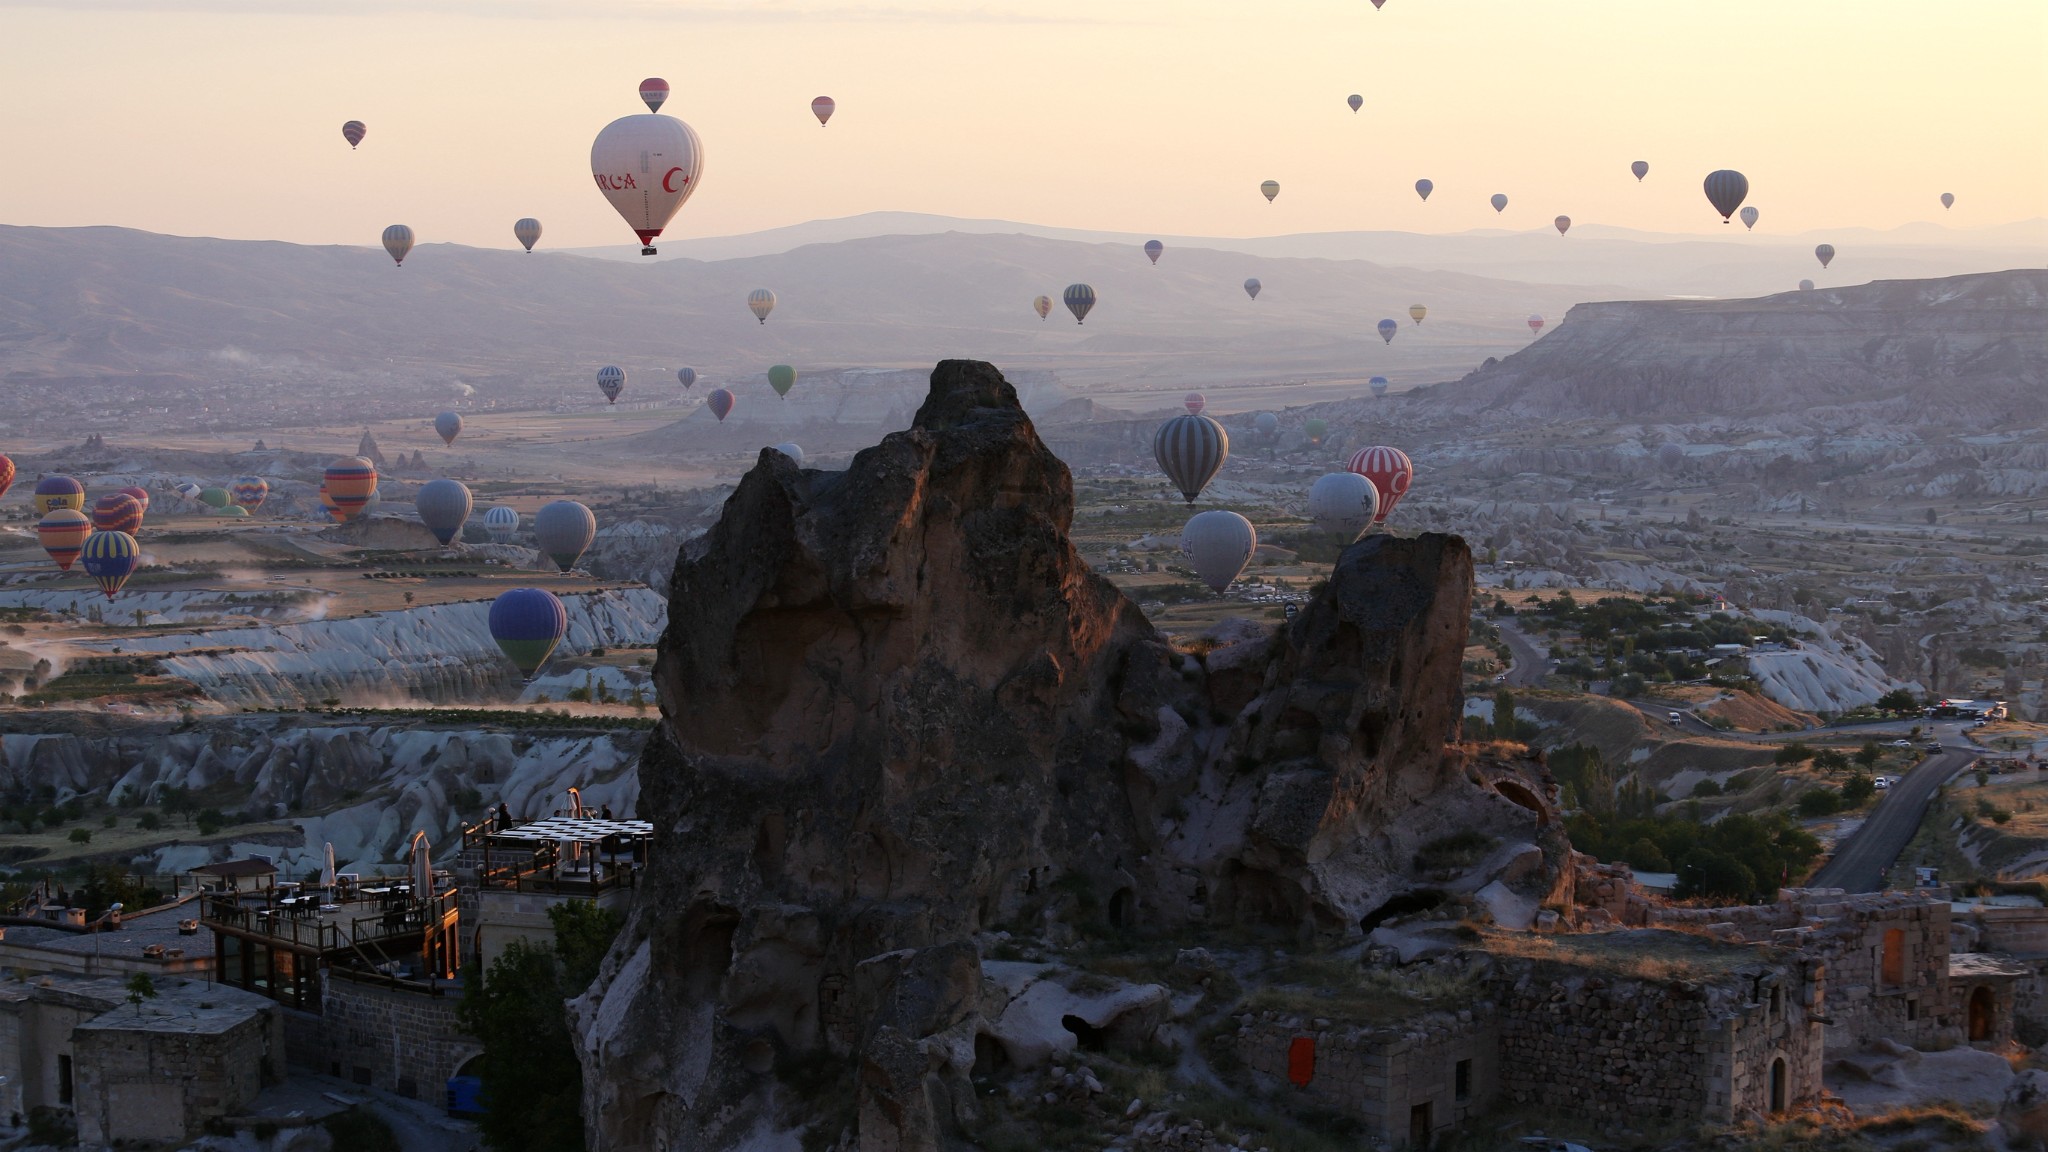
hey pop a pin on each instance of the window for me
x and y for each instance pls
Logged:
(1778, 1085)
(1893, 970)
(64, 1080)
(1463, 1079)
(1777, 1002)
(1912, 1010)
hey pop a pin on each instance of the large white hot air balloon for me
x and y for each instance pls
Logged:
(1218, 544)
(647, 166)
(1343, 504)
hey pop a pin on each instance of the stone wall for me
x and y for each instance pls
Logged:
(401, 1039)
(1906, 1000)
(139, 1080)
(1380, 1074)
(1637, 1054)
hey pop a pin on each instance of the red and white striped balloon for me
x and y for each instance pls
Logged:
(1390, 471)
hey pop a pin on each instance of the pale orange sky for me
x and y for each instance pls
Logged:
(222, 117)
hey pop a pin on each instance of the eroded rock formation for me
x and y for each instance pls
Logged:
(901, 713)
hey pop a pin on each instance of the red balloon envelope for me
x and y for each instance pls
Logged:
(1390, 471)
(654, 90)
(141, 496)
(6, 474)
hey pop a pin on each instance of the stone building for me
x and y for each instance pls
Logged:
(1645, 1029)
(154, 1071)
(401, 1037)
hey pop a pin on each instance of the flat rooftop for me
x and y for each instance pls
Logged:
(181, 1006)
(152, 926)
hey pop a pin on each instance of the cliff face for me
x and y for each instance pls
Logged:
(1959, 350)
(900, 711)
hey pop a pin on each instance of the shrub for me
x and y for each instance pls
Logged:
(1794, 752)
(1706, 787)
(1858, 788)
(1819, 802)
(81, 836)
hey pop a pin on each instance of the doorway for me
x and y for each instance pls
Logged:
(1419, 1127)
(1983, 1014)
(1778, 1086)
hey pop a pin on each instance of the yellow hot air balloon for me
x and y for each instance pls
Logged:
(1416, 312)
(350, 482)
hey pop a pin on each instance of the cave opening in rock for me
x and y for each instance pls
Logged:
(1123, 910)
(1407, 903)
(1525, 798)
(1087, 1037)
(991, 1062)
(769, 844)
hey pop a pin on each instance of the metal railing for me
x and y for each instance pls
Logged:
(360, 922)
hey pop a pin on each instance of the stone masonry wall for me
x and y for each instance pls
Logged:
(1379, 1074)
(158, 1085)
(399, 1039)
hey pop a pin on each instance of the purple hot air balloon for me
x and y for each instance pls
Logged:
(720, 403)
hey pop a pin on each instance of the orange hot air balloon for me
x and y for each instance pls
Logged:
(327, 505)
(350, 482)
(6, 474)
(62, 532)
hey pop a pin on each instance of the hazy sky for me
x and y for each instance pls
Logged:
(223, 117)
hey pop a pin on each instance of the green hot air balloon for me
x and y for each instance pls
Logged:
(215, 498)
(782, 378)
(1316, 430)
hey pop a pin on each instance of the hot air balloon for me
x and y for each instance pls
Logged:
(793, 450)
(6, 475)
(1806, 285)
(1726, 190)
(61, 532)
(1641, 168)
(1671, 455)
(216, 498)
(1194, 402)
(761, 302)
(1042, 306)
(443, 506)
(502, 522)
(1217, 545)
(527, 623)
(110, 558)
(654, 90)
(611, 380)
(1356, 101)
(526, 230)
(353, 132)
(448, 425)
(687, 377)
(1948, 199)
(1749, 216)
(781, 377)
(141, 494)
(1379, 385)
(1270, 189)
(1564, 224)
(1315, 430)
(1191, 449)
(55, 491)
(249, 492)
(1266, 424)
(398, 241)
(117, 512)
(1378, 4)
(720, 403)
(1080, 299)
(1416, 312)
(1390, 471)
(1499, 202)
(822, 108)
(646, 166)
(1252, 286)
(1343, 504)
(1152, 250)
(328, 506)
(563, 530)
(1387, 329)
(1535, 322)
(189, 490)
(351, 480)
(1825, 253)
(1424, 187)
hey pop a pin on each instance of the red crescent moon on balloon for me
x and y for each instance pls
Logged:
(665, 179)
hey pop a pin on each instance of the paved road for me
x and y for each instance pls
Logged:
(1532, 660)
(1861, 863)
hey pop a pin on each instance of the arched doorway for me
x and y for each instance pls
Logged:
(1983, 1014)
(1778, 1086)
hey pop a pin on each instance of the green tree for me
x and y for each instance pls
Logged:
(1714, 875)
(149, 822)
(140, 988)
(1830, 760)
(1898, 701)
(583, 934)
(1869, 754)
(532, 1082)
(1858, 788)
(1817, 802)
(1796, 752)
(81, 836)
(210, 821)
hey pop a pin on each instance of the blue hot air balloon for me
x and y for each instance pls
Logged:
(1080, 299)
(1387, 330)
(110, 558)
(687, 377)
(1379, 385)
(1153, 248)
(1424, 187)
(527, 623)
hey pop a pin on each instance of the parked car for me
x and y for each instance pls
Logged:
(1675, 718)
(1932, 745)
(1882, 783)
(1902, 743)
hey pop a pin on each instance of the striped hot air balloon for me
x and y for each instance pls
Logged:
(502, 522)
(526, 230)
(761, 302)
(822, 108)
(1535, 323)
(6, 475)
(117, 512)
(398, 242)
(249, 492)
(1749, 217)
(1390, 471)
(1269, 189)
(687, 377)
(1726, 189)
(1194, 402)
(350, 482)
(110, 558)
(353, 132)
(141, 495)
(611, 380)
(1042, 306)
(654, 90)
(720, 403)
(215, 498)
(61, 532)
(1825, 253)
(527, 623)
(563, 530)
(54, 492)
(1416, 312)
(1191, 449)
(1080, 299)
